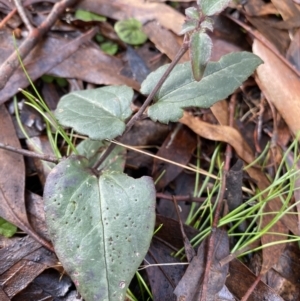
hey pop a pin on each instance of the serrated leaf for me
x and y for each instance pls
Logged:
(93, 150)
(180, 90)
(211, 7)
(193, 13)
(130, 31)
(187, 26)
(98, 113)
(200, 53)
(101, 228)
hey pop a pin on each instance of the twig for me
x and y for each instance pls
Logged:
(7, 17)
(12, 62)
(142, 109)
(28, 153)
(189, 250)
(212, 236)
(180, 198)
(23, 15)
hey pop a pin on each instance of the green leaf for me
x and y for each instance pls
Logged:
(208, 24)
(6, 228)
(93, 150)
(188, 25)
(88, 16)
(200, 52)
(180, 90)
(211, 7)
(98, 113)
(130, 31)
(109, 47)
(192, 13)
(101, 228)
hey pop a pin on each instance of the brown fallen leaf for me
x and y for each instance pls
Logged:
(280, 85)
(179, 147)
(190, 286)
(12, 180)
(256, 8)
(21, 262)
(163, 279)
(293, 53)
(164, 40)
(63, 58)
(3, 295)
(241, 278)
(142, 10)
(287, 8)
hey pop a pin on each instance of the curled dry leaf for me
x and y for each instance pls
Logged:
(280, 85)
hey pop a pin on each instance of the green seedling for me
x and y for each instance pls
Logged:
(100, 220)
(130, 31)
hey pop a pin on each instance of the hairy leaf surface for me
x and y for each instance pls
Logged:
(200, 53)
(98, 113)
(211, 7)
(100, 227)
(180, 90)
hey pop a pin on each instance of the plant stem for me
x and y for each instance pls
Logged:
(28, 153)
(134, 118)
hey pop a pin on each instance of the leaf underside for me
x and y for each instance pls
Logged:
(180, 90)
(98, 113)
(101, 228)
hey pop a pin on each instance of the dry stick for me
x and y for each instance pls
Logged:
(28, 153)
(7, 17)
(142, 109)
(267, 43)
(23, 15)
(189, 250)
(180, 198)
(12, 62)
(212, 236)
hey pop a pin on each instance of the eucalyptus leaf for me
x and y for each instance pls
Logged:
(211, 7)
(200, 52)
(94, 149)
(98, 113)
(101, 228)
(180, 90)
(130, 31)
